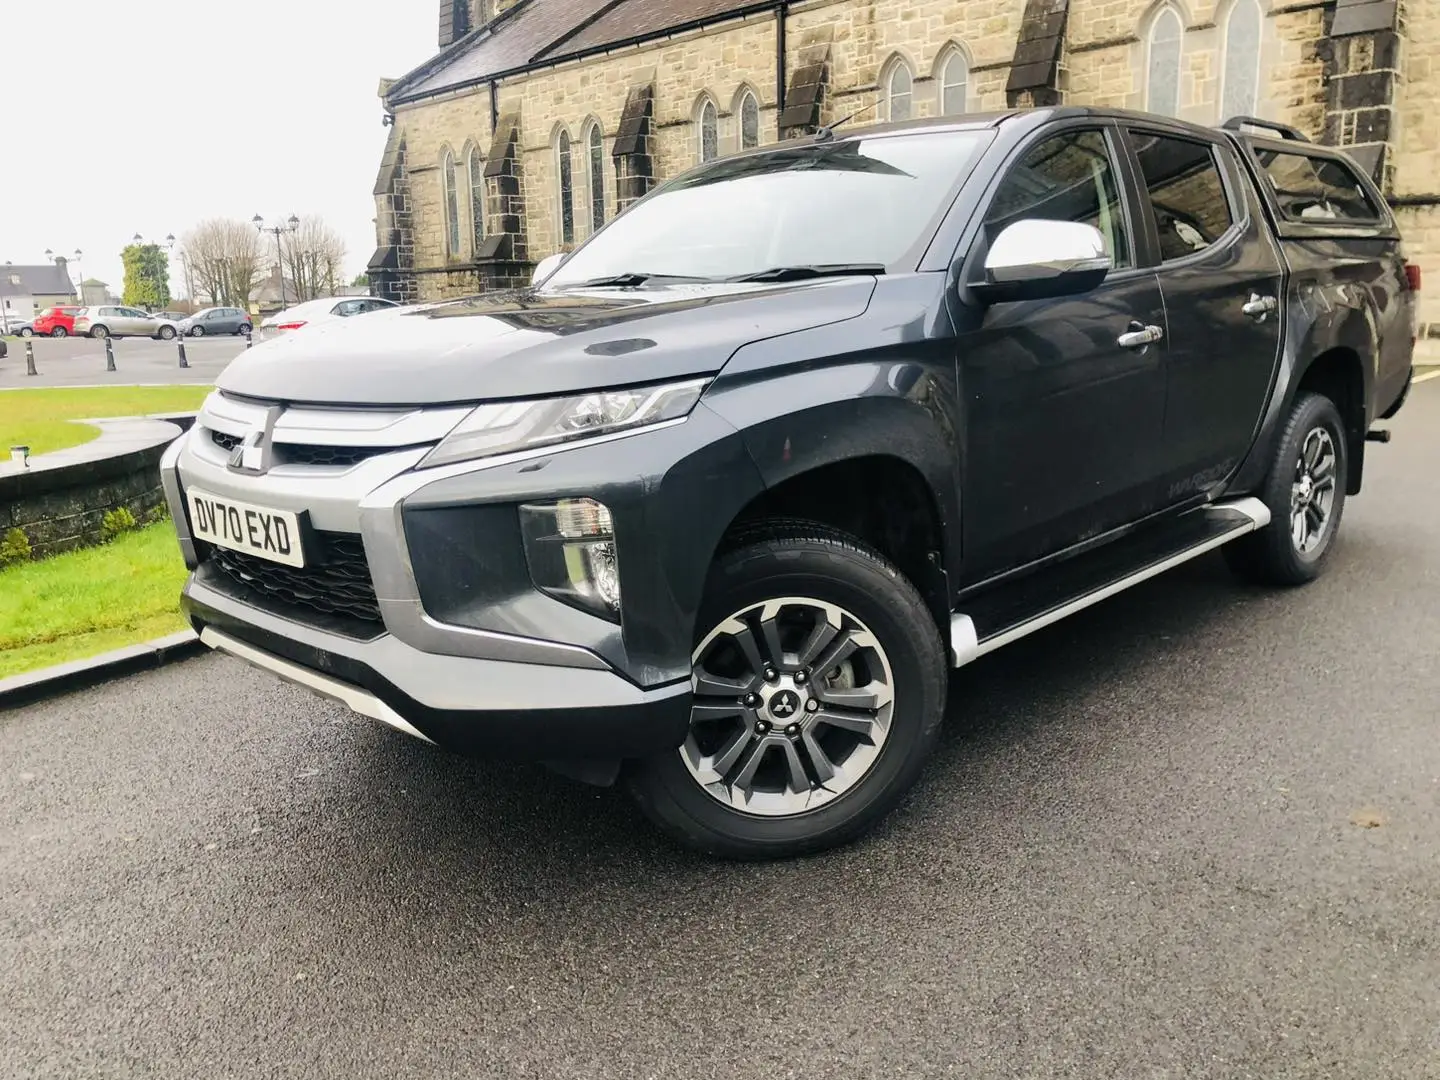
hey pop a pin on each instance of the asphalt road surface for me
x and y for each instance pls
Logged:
(1191, 832)
(78, 361)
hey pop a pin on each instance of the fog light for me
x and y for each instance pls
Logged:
(570, 546)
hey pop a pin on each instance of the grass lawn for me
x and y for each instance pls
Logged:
(42, 419)
(87, 602)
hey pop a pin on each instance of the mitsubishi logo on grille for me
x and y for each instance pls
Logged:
(252, 453)
(249, 453)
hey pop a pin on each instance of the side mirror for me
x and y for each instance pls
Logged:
(1035, 260)
(546, 267)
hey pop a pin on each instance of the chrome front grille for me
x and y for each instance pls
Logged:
(323, 436)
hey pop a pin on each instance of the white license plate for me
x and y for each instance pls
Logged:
(241, 526)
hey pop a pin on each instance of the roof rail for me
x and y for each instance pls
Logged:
(1235, 123)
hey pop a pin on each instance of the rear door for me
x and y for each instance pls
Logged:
(1222, 278)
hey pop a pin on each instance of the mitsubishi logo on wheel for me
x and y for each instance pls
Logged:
(784, 704)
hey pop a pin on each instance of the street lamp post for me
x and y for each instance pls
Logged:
(288, 226)
(184, 267)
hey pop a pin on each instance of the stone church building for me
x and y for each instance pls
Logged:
(539, 120)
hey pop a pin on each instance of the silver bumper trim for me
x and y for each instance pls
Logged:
(353, 697)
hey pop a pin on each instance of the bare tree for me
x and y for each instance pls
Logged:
(314, 259)
(226, 260)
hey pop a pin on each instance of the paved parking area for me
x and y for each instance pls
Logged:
(75, 361)
(1192, 832)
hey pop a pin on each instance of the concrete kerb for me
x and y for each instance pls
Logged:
(35, 686)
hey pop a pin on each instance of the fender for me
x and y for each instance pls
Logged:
(1324, 313)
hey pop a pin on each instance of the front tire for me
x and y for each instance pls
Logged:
(59, 332)
(27, 332)
(820, 683)
(1305, 491)
(197, 331)
(166, 333)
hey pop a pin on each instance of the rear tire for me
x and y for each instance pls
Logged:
(838, 729)
(1305, 491)
(59, 331)
(27, 332)
(100, 333)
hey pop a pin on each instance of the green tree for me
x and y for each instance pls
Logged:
(147, 276)
(362, 281)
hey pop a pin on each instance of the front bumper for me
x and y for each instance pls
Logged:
(463, 652)
(464, 704)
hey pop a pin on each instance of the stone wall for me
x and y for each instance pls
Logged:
(1417, 158)
(59, 509)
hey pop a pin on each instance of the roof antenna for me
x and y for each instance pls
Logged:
(826, 133)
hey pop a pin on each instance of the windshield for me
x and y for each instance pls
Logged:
(854, 203)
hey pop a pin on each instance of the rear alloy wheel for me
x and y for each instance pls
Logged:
(27, 332)
(819, 685)
(166, 333)
(59, 331)
(99, 332)
(1305, 492)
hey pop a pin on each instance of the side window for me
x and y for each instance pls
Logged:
(1316, 189)
(1187, 195)
(1068, 177)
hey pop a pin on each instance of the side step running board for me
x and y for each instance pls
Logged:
(1011, 612)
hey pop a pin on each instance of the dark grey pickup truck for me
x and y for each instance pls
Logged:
(713, 508)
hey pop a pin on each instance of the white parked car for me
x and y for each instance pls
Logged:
(316, 312)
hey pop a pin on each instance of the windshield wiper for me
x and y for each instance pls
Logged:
(795, 273)
(628, 280)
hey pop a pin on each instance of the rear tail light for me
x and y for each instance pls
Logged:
(1412, 276)
(290, 325)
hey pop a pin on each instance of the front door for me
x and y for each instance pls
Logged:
(1220, 274)
(1063, 426)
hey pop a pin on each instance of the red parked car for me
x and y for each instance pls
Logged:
(55, 322)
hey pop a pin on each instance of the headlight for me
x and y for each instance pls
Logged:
(508, 426)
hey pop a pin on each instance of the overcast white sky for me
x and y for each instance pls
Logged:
(151, 115)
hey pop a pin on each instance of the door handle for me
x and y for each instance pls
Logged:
(1257, 307)
(1139, 335)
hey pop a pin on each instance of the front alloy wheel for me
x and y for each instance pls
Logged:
(818, 683)
(793, 700)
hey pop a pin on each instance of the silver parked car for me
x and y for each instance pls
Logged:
(113, 320)
(216, 320)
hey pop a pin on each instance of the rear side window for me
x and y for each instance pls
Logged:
(1316, 189)
(1187, 195)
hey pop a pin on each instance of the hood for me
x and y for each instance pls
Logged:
(529, 344)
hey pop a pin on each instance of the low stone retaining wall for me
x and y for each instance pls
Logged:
(61, 500)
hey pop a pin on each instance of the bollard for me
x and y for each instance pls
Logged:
(249, 339)
(109, 353)
(30, 358)
(180, 347)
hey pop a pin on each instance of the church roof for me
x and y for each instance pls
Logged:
(534, 33)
